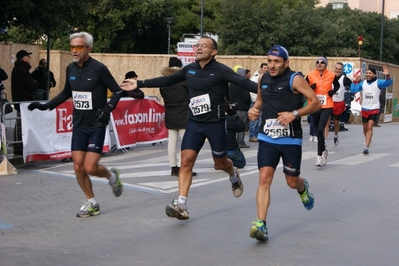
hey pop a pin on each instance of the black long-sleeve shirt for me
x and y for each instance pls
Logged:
(87, 85)
(206, 86)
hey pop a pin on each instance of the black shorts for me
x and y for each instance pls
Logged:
(88, 139)
(197, 132)
(269, 154)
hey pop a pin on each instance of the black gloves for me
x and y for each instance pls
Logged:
(330, 93)
(37, 105)
(136, 93)
(103, 115)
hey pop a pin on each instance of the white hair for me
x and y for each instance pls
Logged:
(87, 36)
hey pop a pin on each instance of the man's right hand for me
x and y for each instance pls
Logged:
(129, 84)
(37, 105)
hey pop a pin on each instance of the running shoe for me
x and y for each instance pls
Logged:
(117, 187)
(319, 162)
(311, 139)
(176, 210)
(259, 231)
(336, 142)
(315, 139)
(324, 156)
(365, 150)
(88, 209)
(237, 187)
(307, 196)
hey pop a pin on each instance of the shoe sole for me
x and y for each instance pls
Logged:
(238, 192)
(258, 235)
(172, 213)
(118, 181)
(87, 215)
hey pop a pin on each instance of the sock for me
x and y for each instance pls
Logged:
(92, 201)
(182, 200)
(335, 136)
(112, 179)
(234, 178)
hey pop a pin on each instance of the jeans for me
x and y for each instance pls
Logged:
(237, 157)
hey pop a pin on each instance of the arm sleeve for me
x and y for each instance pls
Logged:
(230, 76)
(163, 81)
(109, 81)
(347, 82)
(384, 83)
(356, 87)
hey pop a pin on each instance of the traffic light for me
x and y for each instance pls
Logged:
(360, 39)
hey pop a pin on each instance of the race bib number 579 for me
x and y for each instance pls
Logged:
(200, 104)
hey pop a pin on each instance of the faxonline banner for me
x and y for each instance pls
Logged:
(46, 135)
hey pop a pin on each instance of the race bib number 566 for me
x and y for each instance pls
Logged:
(200, 104)
(82, 100)
(275, 130)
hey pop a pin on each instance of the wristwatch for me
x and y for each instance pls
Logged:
(296, 114)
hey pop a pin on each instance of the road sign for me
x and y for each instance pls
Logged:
(348, 69)
(185, 52)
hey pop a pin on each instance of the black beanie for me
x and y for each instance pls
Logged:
(372, 69)
(175, 62)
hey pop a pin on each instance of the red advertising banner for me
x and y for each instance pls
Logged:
(137, 121)
(47, 135)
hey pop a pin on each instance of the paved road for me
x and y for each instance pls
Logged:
(354, 221)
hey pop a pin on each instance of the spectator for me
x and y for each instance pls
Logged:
(241, 97)
(176, 113)
(44, 78)
(254, 125)
(23, 88)
(234, 124)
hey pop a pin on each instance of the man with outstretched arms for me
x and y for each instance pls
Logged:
(370, 90)
(279, 101)
(207, 82)
(86, 83)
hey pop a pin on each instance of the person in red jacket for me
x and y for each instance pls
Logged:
(322, 81)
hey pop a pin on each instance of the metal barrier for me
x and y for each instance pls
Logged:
(9, 121)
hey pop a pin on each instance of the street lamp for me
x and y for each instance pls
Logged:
(169, 21)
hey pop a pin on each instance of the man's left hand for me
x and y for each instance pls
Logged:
(103, 115)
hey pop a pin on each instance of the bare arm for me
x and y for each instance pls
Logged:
(299, 85)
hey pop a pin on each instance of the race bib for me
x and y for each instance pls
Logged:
(200, 104)
(275, 130)
(369, 96)
(323, 99)
(82, 100)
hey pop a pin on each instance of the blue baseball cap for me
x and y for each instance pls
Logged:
(280, 51)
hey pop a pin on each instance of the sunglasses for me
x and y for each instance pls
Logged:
(78, 48)
(320, 62)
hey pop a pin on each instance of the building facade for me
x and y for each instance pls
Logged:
(391, 7)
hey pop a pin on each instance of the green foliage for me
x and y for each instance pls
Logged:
(243, 27)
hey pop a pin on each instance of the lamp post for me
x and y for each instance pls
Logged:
(202, 18)
(382, 27)
(169, 21)
(360, 39)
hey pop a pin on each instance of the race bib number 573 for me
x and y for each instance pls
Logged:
(200, 104)
(82, 100)
(275, 130)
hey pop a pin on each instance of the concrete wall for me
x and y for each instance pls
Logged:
(149, 66)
